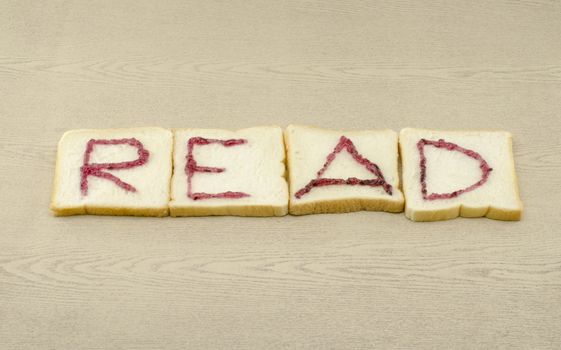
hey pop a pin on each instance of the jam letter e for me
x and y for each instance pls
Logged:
(96, 169)
(191, 167)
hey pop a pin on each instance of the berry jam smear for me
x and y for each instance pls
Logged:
(96, 169)
(347, 144)
(191, 167)
(441, 143)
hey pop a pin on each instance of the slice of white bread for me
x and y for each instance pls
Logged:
(325, 177)
(128, 172)
(467, 173)
(231, 172)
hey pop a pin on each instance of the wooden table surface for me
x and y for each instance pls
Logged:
(346, 281)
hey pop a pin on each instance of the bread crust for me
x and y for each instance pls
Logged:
(346, 205)
(459, 210)
(114, 211)
(102, 210)
(233, 210)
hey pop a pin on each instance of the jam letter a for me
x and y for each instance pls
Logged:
(347, 144)
(191, 167)
(96, 169)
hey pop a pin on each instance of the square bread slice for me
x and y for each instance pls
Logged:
(222, 172)
(333, 171)
(113, 172)
(447, 174)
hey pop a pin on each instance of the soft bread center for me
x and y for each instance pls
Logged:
(113, 153)
(235, 160)
(344, 166)
(449, 171)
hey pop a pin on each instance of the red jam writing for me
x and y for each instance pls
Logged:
(96, 169)
(347, 144)
(192, 167)
(485, 169)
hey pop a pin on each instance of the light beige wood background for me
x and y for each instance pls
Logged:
(349, 281)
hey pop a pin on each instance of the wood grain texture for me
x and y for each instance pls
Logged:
(349, 281)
